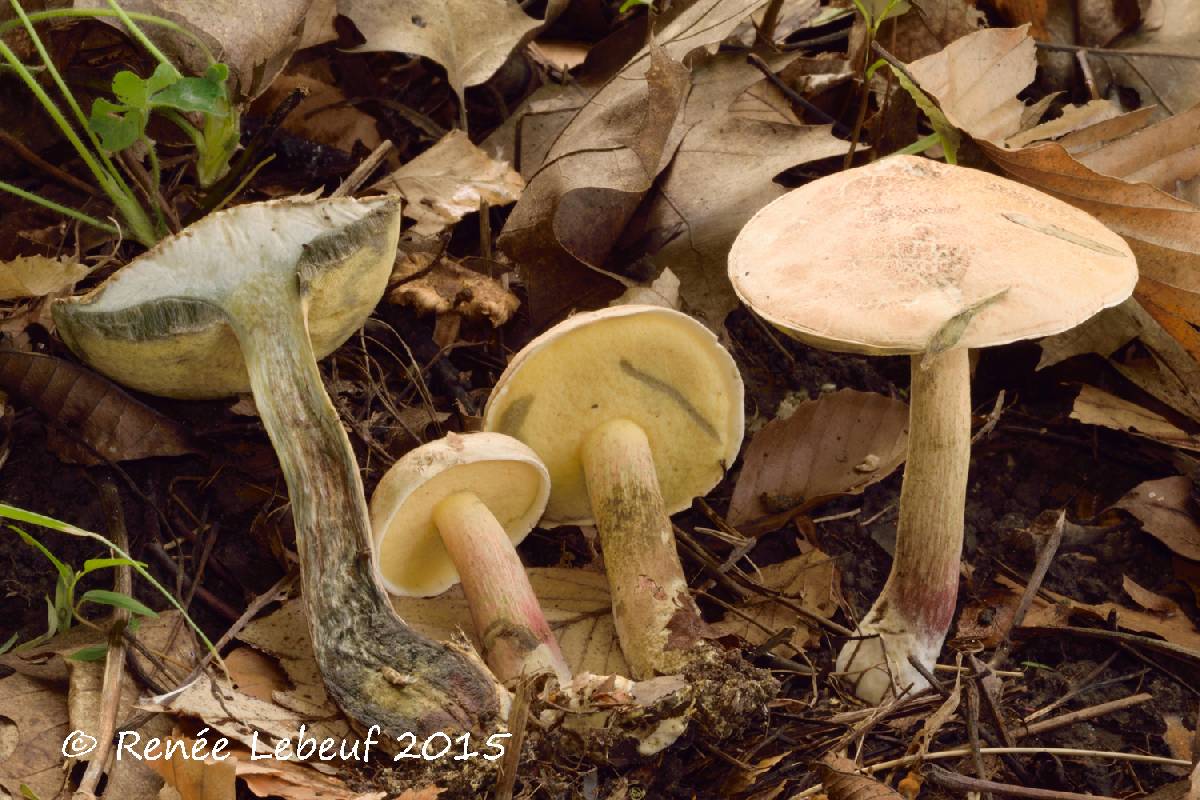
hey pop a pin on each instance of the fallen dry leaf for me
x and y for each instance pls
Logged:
(440, 285)
(1057, 611)
(721, 174)
(1178, 737)
(1165, 509)
(110, 421)
(841, 782)
(37, 276)
(576, 603)
(470, 38)
(1096, 407)
(590, 154)
(837, 444)
(927, 27)
(295, 781)
(209, 779)
(1170, 83)
(450, 180)
(976, 79)
(256, 674)
(323, 116)
(808, 579)
(1151, 601)
(284, 635)
(255, 40)
(33, 725)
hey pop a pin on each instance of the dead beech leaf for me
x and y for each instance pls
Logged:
(837, 444)
(975, 80)
(112, 422)
(1170, 83)
(1151, 601)
(807, 579)
(284, 635)
(37, 276)
(207, 779)
(33, 724)
(720, 175)
(841, 782)
(1178, 738)
(1165, 509)
(470, 38)
(255, 40)
(1058, 609)
(576, 603)
(291, 780)
(592, 154)
(256, 674)
(439, 285)
(323, 116)
(1096, 407)
(927, 27)
(450, 180)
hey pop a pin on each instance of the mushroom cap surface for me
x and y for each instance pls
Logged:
(161, 324)
(652, 365)
(881, 259)
(501, 471)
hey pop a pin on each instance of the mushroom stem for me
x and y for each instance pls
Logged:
(377, 668)
(656, 619)
(913, 612)
(516, 638)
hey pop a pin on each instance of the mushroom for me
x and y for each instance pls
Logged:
(635, 410)
(454, 510)
(912, 257)
(248, 298)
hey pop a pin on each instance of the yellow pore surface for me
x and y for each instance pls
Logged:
(412, 559)
(658, 368)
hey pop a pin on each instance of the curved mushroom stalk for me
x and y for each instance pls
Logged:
(912, 615)
(516, 638)
(453, 511)
(241, 299)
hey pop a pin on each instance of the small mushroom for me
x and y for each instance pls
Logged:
(454, 510)
(635, 410)
(248, 298)
(912, 257)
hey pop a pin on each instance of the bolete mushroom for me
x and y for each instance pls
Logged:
(454, 510)
(247, 298)
(635, 410)
(913, 257)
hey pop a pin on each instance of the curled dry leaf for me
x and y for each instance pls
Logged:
(843, 783)
(323, 116)
(439, 285)
(255, 40)
(37, 276)
(1096, 407)
(590, 154)
(807, 579)
(576, 603)
(109, 420)
(32, 729)
(837, 444)
(470, 38)
(721, 174)
(450, 180)
(1151, 601)
(1166, 511)
(207, 779)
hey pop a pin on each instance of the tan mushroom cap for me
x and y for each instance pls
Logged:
(654, 366)
(501, 471)
(878, 259)
(160, 325)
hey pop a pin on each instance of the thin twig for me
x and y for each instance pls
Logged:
(1063, 720)
(791, 94)
(358, 177)
(1108, 51)
(953, 780)
(1045, 556)
(518, 719)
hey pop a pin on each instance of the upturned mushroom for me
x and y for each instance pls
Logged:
(635, 410)
(454, 510)
(912, 257)
(248, 299)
